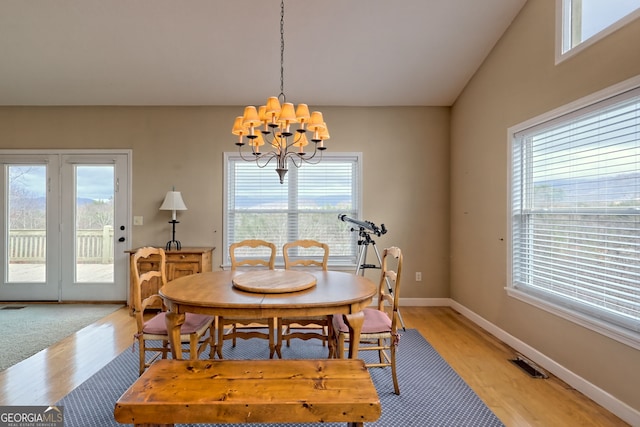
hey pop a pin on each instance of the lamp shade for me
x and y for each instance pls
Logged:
(173, 202)
(302, 113)
(273, 105)
(238, 127)
(287, 113)
(250, 117)
(316, 122)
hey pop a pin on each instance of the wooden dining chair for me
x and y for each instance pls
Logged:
(152, 334)
(380, 329)
(252, 253)
(304, 254)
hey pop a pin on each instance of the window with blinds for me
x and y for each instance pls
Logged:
(581, 23)
(306, 206)
(575, 212)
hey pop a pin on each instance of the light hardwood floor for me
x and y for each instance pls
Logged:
(479, 358)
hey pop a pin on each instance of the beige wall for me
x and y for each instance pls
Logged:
(519, 81)
(405, 156)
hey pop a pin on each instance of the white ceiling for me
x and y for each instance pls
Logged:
(227, 52)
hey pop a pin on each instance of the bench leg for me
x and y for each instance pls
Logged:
(355, 424)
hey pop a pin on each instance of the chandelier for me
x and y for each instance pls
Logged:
(281, 127)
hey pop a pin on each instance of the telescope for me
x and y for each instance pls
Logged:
(364, 225)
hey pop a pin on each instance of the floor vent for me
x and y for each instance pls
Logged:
(528, 366)
(12, 307)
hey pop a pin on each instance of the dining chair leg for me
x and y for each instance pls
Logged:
(166, 348)
(278, 333)
(394, 375)
(220, 343)
(330, 337)
(212, 342)
(142, 355)
(213, 335)
(340, 352)
(273, 334)
(234, 330)
(193, 348)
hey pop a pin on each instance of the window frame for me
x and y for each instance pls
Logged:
(564, 29)
(335, 261)
(625, 335)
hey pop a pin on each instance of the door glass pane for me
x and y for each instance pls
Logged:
(94, 212)
(27, 223)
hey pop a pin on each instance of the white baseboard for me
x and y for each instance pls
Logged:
(425, 302)
(619, 408)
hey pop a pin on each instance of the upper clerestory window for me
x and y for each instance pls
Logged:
(580, 23)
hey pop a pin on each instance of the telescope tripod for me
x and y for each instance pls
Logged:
(363, 245)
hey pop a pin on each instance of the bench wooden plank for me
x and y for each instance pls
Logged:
(244, 391)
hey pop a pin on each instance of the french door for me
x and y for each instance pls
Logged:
(65, 228)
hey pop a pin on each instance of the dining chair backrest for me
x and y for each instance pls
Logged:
(253, 253)
(143, 281)
(309, 253)
(390, 279)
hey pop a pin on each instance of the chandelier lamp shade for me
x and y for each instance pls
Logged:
(280, 131)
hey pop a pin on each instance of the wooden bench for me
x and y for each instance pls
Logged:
(250, 391)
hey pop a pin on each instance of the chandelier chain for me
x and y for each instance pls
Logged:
(282, 51)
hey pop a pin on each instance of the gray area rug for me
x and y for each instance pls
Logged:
(432, 394)
(30, 328)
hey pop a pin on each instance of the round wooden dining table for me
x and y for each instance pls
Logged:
(214, 293)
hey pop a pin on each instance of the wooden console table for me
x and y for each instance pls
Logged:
(179, 263)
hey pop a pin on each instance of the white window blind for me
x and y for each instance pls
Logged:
(306, 206)
(575, 211)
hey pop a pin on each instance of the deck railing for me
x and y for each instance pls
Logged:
(92, 246)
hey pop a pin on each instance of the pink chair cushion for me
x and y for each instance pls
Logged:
(375, 321)
(157, 325)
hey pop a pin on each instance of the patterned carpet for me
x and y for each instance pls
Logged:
(432, 394)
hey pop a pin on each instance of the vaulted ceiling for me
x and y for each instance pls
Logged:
(227, 52)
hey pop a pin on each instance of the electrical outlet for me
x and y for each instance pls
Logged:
(137, 220)
(418, 276)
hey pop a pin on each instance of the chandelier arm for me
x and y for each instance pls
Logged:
(258, 158)
(246, 159)
(305, 158)
(282, 160)
(318, 159)
(293, 157)
(293, 140)
(270, 156)
(290, 140)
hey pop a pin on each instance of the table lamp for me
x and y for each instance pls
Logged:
(173, 202)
